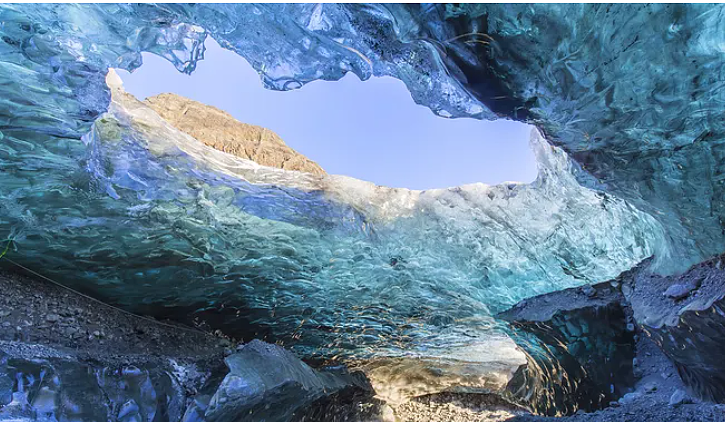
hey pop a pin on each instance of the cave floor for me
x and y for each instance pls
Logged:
(35, 313)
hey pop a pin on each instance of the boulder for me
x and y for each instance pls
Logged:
(679, 397)
(268, 383)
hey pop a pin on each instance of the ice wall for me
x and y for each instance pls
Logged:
(630, 92)
(159, 223)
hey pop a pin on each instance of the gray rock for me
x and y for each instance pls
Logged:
(52, 317)
(629, 398)
(680, 397)
(650, 387)
(267, 382)
(678, 291)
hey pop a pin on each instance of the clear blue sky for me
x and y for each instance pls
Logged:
(369, 130)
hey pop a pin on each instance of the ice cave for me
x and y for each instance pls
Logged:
(151, 272)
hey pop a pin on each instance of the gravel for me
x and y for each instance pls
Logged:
(38, 318)
(453, 407)
(36, 312)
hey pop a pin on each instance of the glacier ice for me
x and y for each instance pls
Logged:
(581, 354)
(270, 383)
(262, 382)
(161, 224)
(122, 206)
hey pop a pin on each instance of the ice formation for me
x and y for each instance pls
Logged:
(125, 207)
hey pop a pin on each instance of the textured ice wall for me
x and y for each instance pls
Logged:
(160, 223)
(630, 91)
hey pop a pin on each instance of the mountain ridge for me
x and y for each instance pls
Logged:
(220, 130)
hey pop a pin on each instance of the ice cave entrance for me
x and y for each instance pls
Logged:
(369, 130)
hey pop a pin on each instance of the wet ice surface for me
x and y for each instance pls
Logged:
(631, 92)
(145, 218)
(164, 225)
(302, 258)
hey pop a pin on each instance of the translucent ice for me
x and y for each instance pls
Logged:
(160, 223)
(142, 216)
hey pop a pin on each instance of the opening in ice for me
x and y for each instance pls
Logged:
(369, 130)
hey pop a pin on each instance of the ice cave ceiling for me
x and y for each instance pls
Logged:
(113, 202)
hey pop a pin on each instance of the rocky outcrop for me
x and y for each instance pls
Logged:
(223, 132)
(579, 345)
(580, 342)
(685, 316)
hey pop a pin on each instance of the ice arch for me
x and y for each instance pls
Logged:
(370, 130)
(580, 73)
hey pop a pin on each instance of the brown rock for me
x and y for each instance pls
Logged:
(223, 132)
